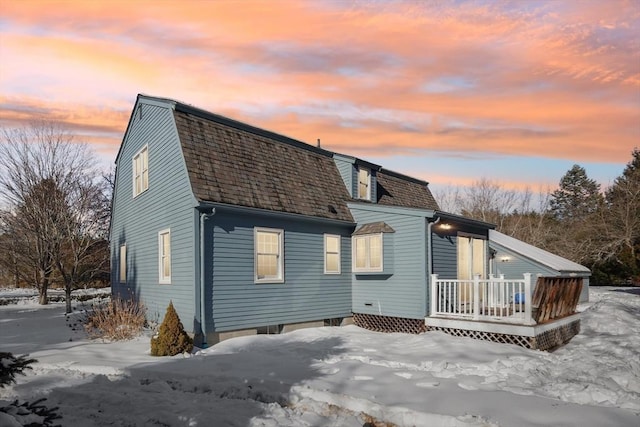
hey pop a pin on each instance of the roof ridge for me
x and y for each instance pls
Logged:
(227, 121)
(403, 176)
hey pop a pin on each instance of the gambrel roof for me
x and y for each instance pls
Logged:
(232, 163)
(395, 189)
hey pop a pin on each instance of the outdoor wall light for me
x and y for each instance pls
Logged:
(445, 226)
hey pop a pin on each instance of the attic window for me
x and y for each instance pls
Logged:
(141, 171)
(364, 183)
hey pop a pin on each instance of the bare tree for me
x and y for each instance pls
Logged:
(619, 223)
(82, 225)
(448, 198)
(46, 180)
(520, 214)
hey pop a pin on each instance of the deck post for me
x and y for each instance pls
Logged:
(528, 299)
(434, 294)
(476, 297)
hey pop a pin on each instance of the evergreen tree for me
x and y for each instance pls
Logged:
(10, 366)
(577, 197)
(171, 338)
(576, 208)
(30, 414)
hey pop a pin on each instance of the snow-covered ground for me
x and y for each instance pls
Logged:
(335, 376)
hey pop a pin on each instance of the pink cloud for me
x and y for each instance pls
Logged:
(542, 79)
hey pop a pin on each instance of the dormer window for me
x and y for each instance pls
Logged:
(364, 183)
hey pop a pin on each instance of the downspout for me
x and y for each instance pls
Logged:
(429, 248)
(430, 254)
(203, 319)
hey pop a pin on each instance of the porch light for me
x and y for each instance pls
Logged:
(445, 226)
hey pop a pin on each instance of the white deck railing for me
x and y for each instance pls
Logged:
(495, 299)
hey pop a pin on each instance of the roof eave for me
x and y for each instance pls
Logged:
(463, 219)
(206, 205)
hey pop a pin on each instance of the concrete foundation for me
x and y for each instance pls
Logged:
(216, 337)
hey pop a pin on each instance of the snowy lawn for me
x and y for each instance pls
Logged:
(335, 376)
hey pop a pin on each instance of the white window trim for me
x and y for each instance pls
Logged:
(145, 150)
(368, 195)
(338, 253)
(367, 269)
(280, 278)
(122, 269)
(162, 279)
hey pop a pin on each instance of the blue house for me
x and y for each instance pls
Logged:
(248, 231)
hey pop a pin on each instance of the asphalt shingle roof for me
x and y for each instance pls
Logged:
(374, 227)
(396, 190)
(236, 166)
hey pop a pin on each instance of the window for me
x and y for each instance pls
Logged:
(123, 264)
(367, 253)
(269, 257)
(472, 257)
(331, 254)
(164, 256)
(141, 171)
(364, 184)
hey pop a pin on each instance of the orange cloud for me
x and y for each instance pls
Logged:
(533, 79)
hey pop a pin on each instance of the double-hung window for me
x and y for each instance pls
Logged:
(164, 257)
(141, 171)
(364, 183)
(367, 253)
(331, 254)
(269, 255)
(123, 264)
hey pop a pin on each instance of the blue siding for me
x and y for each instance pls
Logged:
(445, 256)
(517, 265)
(374, 187)
(402, 293)
(347, 172)
(236, 302)
(167, 204)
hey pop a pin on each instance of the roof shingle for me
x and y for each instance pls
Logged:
(234, 166)
(397, 190)
(374, 228)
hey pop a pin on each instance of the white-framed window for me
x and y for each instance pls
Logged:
(367, 253)
(269, 255)
(331, 254)
(164, 256)
(123, 264)
(364, 183)
(141, 171)
(472, 257)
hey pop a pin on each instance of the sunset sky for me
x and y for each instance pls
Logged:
(447, 91)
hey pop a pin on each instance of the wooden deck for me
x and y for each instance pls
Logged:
(507, 311)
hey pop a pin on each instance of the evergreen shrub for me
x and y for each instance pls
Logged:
(171, 338)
